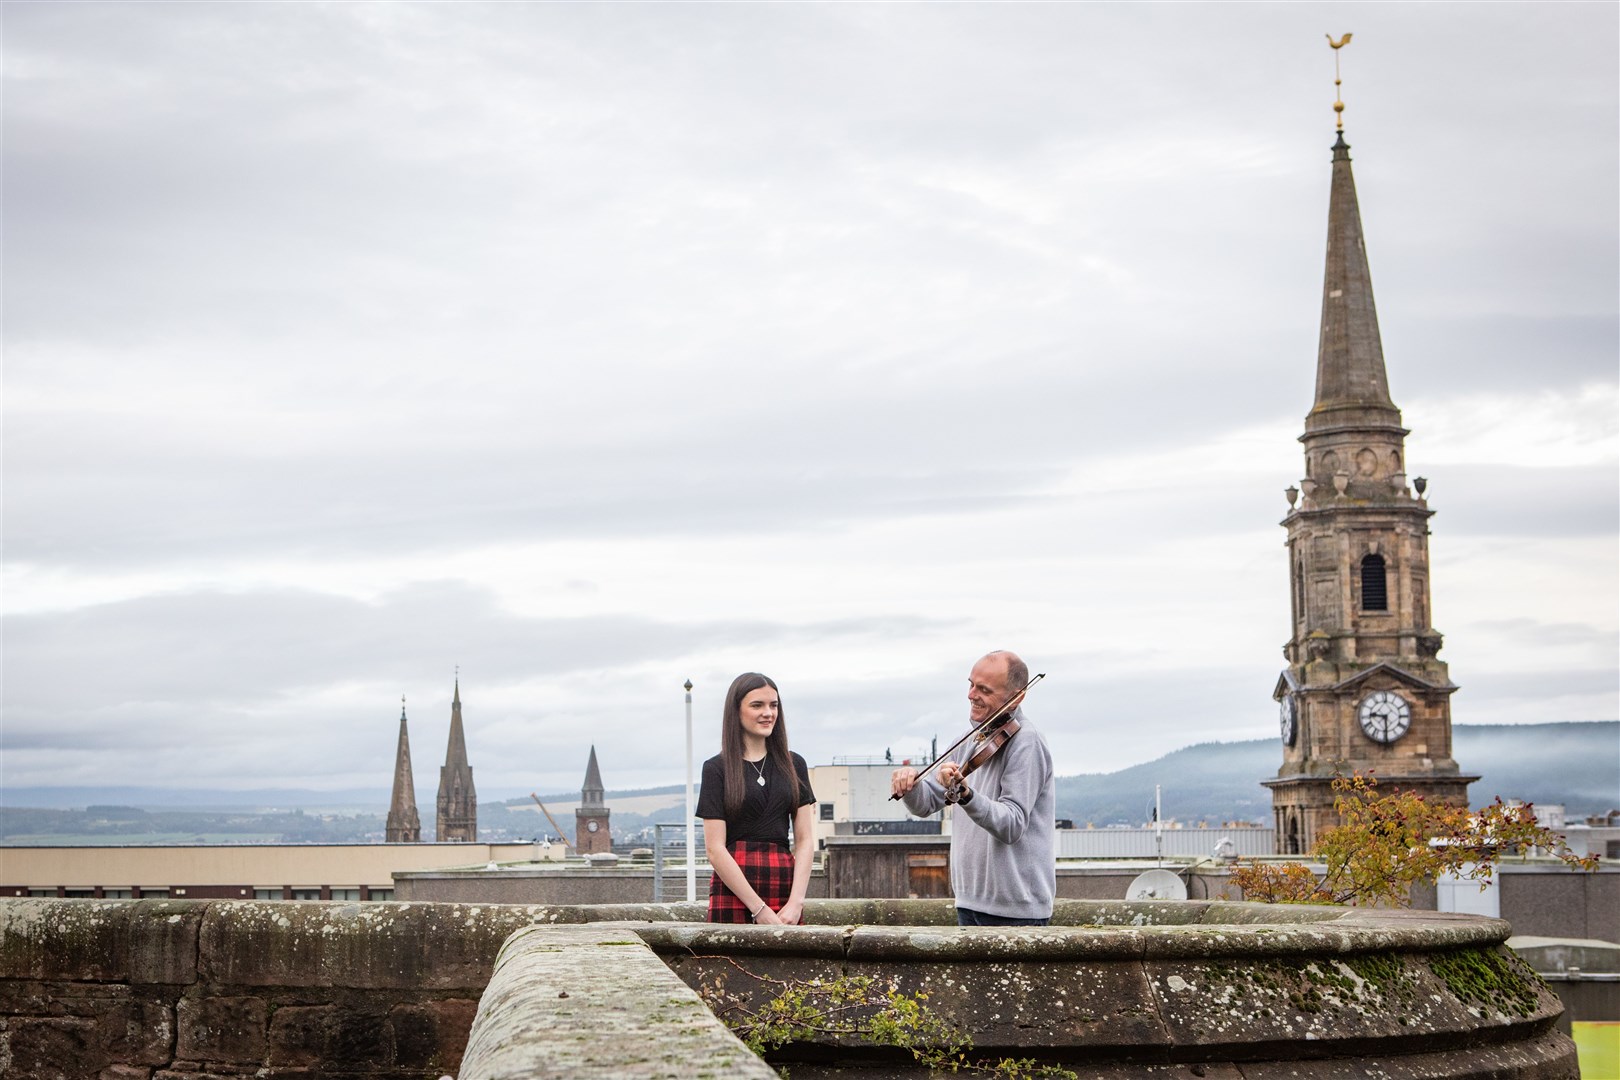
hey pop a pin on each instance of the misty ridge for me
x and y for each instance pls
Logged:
(1573, 764)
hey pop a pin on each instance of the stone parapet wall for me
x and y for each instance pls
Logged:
(185, 990)
(591, 1001)
(1129, 989)
(178, 990)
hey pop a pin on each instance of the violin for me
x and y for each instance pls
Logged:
(995, 732)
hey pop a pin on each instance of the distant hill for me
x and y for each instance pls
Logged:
(1574, 764)
(1577, 765)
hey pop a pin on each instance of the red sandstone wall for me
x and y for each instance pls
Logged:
(188, 990)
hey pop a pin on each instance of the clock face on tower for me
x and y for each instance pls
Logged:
(592, 825)
(1288, 718)
(1385, 716)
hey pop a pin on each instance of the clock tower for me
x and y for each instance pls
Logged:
(591, 835)
(1364, 690)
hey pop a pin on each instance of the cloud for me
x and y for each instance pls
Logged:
(593, 347)
(219, 648)
(248, 684)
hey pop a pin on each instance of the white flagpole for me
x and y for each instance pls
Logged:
(691, 810)
(1158, 827)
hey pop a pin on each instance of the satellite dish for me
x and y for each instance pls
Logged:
(1157, 885)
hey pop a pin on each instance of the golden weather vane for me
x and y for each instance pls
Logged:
(1338, 100)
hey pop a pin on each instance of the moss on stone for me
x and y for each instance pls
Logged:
(1387, 975)
(1488, 979)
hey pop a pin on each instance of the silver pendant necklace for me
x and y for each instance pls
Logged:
(760, 768)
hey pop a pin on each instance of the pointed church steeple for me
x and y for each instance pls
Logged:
(404, 825)
(1352, 389)
(457, 818)
(455, 755)
(592, 794)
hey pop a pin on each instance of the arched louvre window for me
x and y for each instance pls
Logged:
(1374, 584)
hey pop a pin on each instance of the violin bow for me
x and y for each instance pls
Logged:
(982, 726)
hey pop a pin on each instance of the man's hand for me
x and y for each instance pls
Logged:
(903, 780)
(950, 774)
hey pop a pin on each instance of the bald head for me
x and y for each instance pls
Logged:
(995, 680)
(1017, 671)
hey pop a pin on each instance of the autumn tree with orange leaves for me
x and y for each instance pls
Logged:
(1386, 843)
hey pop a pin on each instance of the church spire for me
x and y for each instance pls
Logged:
(404, 825)
(1352, 389)
(458, 800)
(592, 794)
(455, 755)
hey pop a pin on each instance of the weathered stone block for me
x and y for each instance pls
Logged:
(361, 946)
(221, 1029)
(26, 997)
(332, 1037)
(298, 1033)
(52, 1047)
(140, 1032)
(99, 1000)
(359, 1040)
(852, 912)
(136, 941)
(432, 1034)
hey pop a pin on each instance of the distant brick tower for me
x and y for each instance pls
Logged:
(404, 825)
(1363, 690)
(591, 833)
(457, 820)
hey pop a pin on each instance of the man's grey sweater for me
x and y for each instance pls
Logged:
(1002, 858)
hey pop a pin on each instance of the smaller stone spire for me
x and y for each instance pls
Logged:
(404, 825)
(592, 794)
(457, 818)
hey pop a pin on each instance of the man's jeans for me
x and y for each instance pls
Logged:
(969, 917)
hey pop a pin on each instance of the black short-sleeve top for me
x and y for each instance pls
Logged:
(766, 811)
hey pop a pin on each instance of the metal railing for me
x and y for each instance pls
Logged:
(660, 847)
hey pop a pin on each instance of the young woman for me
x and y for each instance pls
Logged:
(751, 790)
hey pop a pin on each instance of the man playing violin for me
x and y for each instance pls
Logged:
(1003, 864)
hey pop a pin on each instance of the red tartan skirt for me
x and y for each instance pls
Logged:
(768, 868)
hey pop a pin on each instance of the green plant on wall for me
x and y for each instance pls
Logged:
(1386, 843)
(858, 1008)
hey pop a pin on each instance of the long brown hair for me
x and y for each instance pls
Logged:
(731, 741)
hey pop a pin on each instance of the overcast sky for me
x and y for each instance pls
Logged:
(597, 347)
